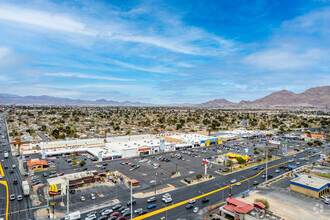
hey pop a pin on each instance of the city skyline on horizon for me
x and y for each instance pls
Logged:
(163, 51)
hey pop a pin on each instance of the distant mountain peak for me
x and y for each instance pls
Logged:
(216, 102)
(316, 97)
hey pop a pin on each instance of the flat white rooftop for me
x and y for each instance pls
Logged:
(313, 181)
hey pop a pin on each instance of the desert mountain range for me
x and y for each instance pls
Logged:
(313, 97)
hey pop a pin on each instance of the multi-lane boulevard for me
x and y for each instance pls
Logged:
(10, 208)
(216, 190)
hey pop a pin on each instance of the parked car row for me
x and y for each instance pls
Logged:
(35, 180)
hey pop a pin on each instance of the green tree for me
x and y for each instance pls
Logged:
(262, 126)
(240, 160)
(178, 126)
(199, 176)
(56, 133)
(256, 152)
(82, 163)
(309, 144)
(317, 142)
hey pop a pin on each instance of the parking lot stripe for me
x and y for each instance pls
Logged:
(200, 196)
(6, 185)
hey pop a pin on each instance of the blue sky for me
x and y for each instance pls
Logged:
(163, 51)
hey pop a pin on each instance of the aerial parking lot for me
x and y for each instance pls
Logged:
(158, 174)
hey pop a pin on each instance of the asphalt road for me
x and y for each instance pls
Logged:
(186, 193)
(182, 194)
(14, 205)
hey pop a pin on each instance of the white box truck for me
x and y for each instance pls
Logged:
(6, 155)
(26, 188)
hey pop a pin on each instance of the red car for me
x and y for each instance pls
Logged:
(60, 174)
(128, 162)
(114, 214)
(121, 218)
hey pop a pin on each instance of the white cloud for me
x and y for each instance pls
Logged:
(182, 40)
(169, 44)
(85, 76)
(113, 86)
(315, 21)
(4, 52)
(283, 58)
(157, 69)
(4, 78)
(48, 20)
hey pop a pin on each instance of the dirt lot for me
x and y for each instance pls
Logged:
(288, 210)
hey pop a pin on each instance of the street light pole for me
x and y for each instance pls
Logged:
(266, 164)
(165, 211)
(155, 182)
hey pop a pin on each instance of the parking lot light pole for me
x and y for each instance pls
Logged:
(131, 200)
(67, 198)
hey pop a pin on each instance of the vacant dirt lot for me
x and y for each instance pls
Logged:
(291, 210)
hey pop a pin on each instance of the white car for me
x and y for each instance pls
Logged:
(82, 198)
(107, 212)
(138, 210)
(1, 177)
(191, 201)
(233, 181)
(12, 197)
(166, 195)
(277, 171)
(93, 196)
(238, 184)
(91, 217)
(167, 200)
(195, 210)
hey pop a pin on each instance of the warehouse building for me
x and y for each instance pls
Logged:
(310, 185)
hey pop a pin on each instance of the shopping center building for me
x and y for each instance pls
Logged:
(120, 147)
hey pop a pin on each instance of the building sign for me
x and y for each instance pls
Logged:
(144, 149)
(53, 190)
(205, 161)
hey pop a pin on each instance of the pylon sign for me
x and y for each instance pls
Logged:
(53, 190)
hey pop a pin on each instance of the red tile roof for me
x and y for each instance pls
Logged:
(37, 162)
(259, 205)
(238, 206)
